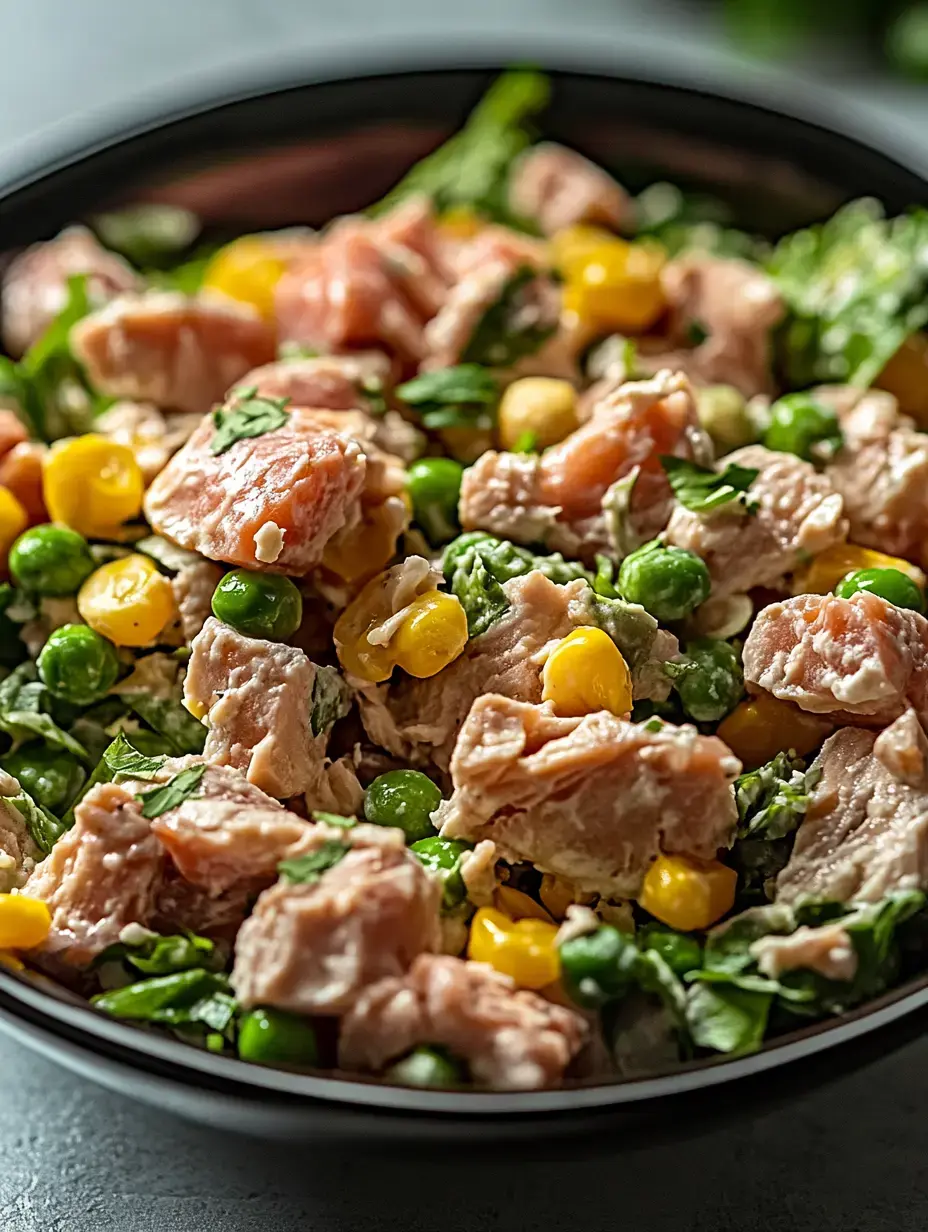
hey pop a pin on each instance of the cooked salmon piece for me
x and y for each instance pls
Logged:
(557, 187)
(857, 660)
(865, 834)
(882, 473)
(12, 431)
(798, 514)
(721, 313)
(558, 497)
(301, 479)
(314, 947)
(193, 586)
(330, 382)
(257, 699)
(35, 286)
(101, 875)
(510, 1039)
(162, 347)
(153, 437)
(593, 800)
(828, 950)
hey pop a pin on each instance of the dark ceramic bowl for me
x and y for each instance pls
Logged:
(300, 154)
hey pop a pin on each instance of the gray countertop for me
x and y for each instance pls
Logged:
(850, 1157)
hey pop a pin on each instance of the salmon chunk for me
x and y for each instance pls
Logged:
(857, 660)
(511, 1040)
(798, 514)
(592, 800)
(182, 354)
(558, 498)
(865, 834)
(35, 286)
(301, 480)
(257, 698)
(101, 875)
(313, 947)
(557, 187)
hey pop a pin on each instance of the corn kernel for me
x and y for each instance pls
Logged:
(906, 378)
(432, 635)
(247, 270)
(355, 653)
(460, 223)
(13, 521)
(760, 727)
(586, 672)
(616, 286)
(517, 905)
(92, 485)
(522, 949)
(829, 567)
(24, 922)
(687, 894)
(572, 247)
(540, 405)
(127, 601)
(364, 550)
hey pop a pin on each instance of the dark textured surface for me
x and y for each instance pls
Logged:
(850, 1157)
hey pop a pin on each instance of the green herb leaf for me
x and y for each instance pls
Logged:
(463, 396)
(526, 442)
(513, 327)
(471, 169)
(856, 287)
(334, 819)
(44, 828)
(308, 869)
(702, 490)
(331, 700)
(125, 761)
(168, 717)
(727, 1019)
(248, 417)
(148, 234)
(196, 996)
(155, 954)
(172, 793)
(22, 696)
(481, 596)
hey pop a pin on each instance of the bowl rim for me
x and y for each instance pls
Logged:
(62, 147)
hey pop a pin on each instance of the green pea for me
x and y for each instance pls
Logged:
(668, 582)
(434, 486)
(274, 1037)
(680, 952)
(405, 799)
(78, 665)
(801, 425)
(598, 967)
(709, 680)
(263, 605)
(52, 777)
(890, 584)
(50, 560)
(442, 857)
(426, 1067)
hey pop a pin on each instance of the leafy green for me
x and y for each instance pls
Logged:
(463, 396)
(249, 417)
(169, 718)
(512, 327)
(147, 234)
(22, 696)
(772, 802)
(154, 954)
(702, 490)
(308, 869)
(44, 828)
(683, 222)
(171, 794)
(123, 760)
(631, 628)
(856, 287)
(505, 560)
(726, 1018)
(680, 951)
(187, 277)
(331, 700)
(341, 820)
(471, 169)
(481, 596)
(184, 997)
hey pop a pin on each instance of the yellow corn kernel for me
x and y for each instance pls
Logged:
(10, 961)
(363, 614)
(13, 521)
(522, 949)
(573, 246)
(92, 485)
(127, 601)
(432, 634)
(366, 548)
(760, 727)
(616, 286)
(540, 405)
(518, 906)
(586, 672)
(906, 378)
(829, 567)
(460, 222)
(24, 922)
(247, 270)
(688, 894)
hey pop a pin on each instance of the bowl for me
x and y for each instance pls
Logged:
(290, 153)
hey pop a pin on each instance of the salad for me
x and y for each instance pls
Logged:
(482, 643)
